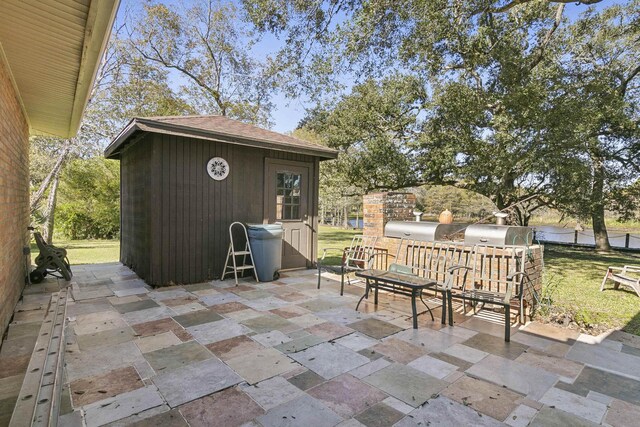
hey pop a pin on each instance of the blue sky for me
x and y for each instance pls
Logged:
(288, 112)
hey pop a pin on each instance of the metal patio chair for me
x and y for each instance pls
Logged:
(358, 256)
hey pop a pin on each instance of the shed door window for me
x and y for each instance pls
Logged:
(288, 195)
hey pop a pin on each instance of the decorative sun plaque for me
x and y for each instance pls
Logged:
(218, 168)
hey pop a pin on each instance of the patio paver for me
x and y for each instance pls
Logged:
(379, 415)
(606, 383)
(194, 381)
(273, 392)
(346, 395)
(490, 399)
(303, 411)
(121, 406)
(375, 328)
(446, 412)
(176, 356)
(306, 380)
(290, 354)
(230, 407)
(261, 364)
(88, 390)
(407, 384)
(531, 382)
(329, 360)
(552, 417)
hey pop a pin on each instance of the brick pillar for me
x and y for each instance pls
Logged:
(380, 208)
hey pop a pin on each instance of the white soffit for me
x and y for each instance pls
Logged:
(53, 49)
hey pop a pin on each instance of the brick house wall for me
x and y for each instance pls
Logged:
(14, 196)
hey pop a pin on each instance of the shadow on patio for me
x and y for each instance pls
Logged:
(284, 353)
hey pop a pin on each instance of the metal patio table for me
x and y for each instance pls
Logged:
(400, 283)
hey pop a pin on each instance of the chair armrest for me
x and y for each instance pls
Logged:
(448, 281)
(325, 250)
(519, 273)
(510, 278)
(375, 254)
(450, 270)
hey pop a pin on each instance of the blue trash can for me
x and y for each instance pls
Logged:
(266, 247)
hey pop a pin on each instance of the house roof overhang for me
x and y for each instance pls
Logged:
(53, 50)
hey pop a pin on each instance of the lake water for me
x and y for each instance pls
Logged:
(352, 223)
(567, 235)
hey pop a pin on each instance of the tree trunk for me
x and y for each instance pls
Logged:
(50, 212)
(597, 207)
(345, 217)
(521, 215)
(55, 172)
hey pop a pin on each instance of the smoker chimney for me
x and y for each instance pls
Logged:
(501, 218)
(417, 214)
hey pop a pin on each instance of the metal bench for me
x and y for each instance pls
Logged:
(496, 277)
(418, 265)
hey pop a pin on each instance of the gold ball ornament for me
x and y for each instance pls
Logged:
(446, 217)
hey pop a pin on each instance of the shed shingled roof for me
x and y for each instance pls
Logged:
(216, 128)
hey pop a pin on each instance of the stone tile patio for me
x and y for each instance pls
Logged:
(286, 354)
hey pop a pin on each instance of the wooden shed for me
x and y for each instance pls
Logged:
(185, 179)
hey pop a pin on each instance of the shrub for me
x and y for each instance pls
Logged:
(89, 201)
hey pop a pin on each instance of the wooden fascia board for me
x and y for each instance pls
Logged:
(154, 126)
(100, 20)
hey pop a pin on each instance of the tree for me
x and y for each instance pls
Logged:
(89, 199)
(209, 47)
(497, 74)
(374, 128)
(600, 94)
(465, 205)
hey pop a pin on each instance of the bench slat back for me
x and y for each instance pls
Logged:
(491, 265)
(430, 259)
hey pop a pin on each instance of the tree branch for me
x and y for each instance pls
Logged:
(159, 59)
(625, 82)
(547, 37)
(515, 3)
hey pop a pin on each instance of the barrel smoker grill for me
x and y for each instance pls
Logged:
(491, 234)
(426, 231)
(487, 234)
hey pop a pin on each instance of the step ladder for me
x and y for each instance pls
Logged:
(232, 253)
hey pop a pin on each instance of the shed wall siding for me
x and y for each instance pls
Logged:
(137, 205)
(189, 212)
(14, 197)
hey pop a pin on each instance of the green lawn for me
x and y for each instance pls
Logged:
(85, 251)
(576, 275)
(332, 237)
(572, 276)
